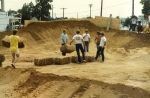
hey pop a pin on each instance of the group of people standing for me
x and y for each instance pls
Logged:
(134, 22)
(82, 44)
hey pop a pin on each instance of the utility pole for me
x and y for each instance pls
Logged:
(55, 15)
(52, 11)
(132, 7)
(63, 11)
(77, 15)
(40, 10)
(90, 9)
(101, 7)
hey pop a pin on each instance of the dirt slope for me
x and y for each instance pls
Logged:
(47, 35)
(27, 83)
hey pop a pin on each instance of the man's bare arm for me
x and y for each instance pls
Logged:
(71, 41)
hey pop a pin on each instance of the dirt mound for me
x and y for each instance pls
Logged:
(30, 83)
(46, 34)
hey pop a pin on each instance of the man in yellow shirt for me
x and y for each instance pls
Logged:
(14, 40)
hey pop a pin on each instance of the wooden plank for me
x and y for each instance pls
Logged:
(109, 21)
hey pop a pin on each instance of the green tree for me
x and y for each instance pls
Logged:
(127, 21)
(26, 12)
(42, 8)
(117, 17)
(146, 6)
(11, 12)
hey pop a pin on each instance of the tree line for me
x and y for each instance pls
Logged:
(40, 10)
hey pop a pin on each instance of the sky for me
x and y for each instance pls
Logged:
(81, 8)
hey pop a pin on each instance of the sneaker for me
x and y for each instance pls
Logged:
(84, 61)
(79, 62)
(13, 65)
(102, 61)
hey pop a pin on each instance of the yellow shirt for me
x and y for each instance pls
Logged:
(14, 40)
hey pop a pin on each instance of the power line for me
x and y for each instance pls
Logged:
(99, 9)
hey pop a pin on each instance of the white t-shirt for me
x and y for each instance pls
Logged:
(77, 38)
(102, 42)
(133, 20)
(86, 37)
(149, 18)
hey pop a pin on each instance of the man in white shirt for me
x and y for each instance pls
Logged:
(64, 39)
(86, 38)
(133, 23)
(78, 42)
(101, 47)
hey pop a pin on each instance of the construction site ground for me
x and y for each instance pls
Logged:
(124, 74)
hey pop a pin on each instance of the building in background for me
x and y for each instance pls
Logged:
(4, 20)
(14, 20)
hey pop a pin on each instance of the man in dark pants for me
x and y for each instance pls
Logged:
(79, 41)
(97, 40)
(101, 47)
(64, 38)
(86, 38)
(139, 27)
(133, 23)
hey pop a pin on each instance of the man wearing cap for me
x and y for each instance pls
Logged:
(64, 39)
(101, 47)
(86, 38)
(133, 23)
(79, 42)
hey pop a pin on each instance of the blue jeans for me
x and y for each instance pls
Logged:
(100, 50)
(86, 46)
(97, 44)
(132, 26)
(79, 47)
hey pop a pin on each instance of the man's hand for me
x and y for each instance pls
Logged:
(103, 47)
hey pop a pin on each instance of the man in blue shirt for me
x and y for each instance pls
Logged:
(64, 38)
(7, 27)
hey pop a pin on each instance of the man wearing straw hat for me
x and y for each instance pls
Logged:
(86, 38)
(64, 38)
(14, 40)
(133, 23)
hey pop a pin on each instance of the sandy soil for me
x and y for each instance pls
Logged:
(124, 74)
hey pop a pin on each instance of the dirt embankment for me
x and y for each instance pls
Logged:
(32, 84)
(47, 35)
